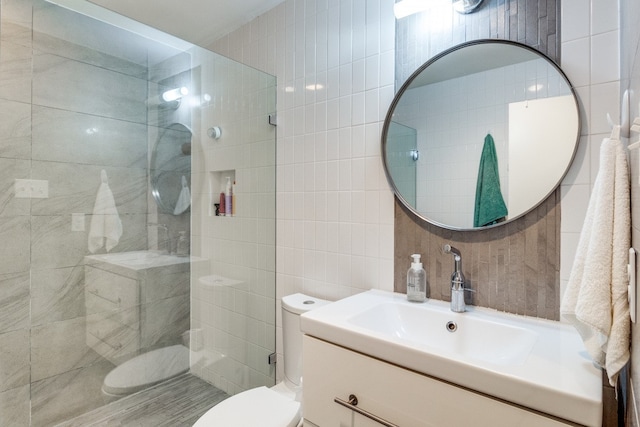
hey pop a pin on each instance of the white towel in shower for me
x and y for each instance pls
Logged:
(184, 199)
(105, 221)
(595, 300)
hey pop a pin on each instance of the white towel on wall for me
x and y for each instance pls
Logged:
(595, 300)
(105, 221)
(184, 199)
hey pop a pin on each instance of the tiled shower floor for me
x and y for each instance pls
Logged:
(177, 402)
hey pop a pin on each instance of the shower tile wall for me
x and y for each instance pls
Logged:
(334, 63)
(233, 307)
(44, 135)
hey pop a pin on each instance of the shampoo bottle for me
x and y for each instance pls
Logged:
(227, 198)
(223, 208)
(233, 199)
(416, 281)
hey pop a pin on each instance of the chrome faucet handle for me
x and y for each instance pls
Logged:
(457, 280)
(448, 249)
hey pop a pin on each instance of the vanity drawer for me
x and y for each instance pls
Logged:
(106, 291)
(397, 395)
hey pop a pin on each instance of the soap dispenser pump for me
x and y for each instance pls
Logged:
(416, 281)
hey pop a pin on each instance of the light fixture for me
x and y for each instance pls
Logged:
(406, 8)
(169, 99)
(175, 94)
(316, 86)
(535, 87)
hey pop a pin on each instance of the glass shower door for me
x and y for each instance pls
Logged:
(91, 279)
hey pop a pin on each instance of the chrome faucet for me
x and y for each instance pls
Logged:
(457, 280)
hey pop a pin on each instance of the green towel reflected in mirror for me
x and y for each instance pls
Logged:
(490, 207)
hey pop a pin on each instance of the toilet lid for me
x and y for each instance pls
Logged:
(259, 406)
(147, 369)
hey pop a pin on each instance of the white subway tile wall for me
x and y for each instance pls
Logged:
(334, 61)
(312, 253)
(232, 299)
(590, 58)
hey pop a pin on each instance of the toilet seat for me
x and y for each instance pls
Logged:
(146, 370)
(259, 406)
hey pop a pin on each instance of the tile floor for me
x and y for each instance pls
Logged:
(176, 402)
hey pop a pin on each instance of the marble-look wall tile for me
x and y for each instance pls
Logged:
(76, 36)
(68, 395)
(10, 170)
(15, 250)
(86, 138)
(15, 72)
(60, 347)
(14, 300)
(57, 295)
(14, 359)
(128, 185)
(134, 233)
(15, 407)
(93, 90)
(15, 130)
(16, 21)
(48, 43)
(53, 245)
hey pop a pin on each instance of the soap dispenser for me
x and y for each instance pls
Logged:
(416, 281)
(182, 249)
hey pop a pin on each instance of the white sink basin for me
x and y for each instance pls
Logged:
(534, 363)
(450, 333)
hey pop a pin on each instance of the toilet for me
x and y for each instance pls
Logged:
(146, 370)
(278, 406)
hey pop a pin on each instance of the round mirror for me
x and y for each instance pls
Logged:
(171, 169)
(480, 134)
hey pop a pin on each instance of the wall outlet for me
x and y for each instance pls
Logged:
(77, 222)
(31, 189)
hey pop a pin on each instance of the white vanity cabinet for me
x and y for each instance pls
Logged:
(135, 302)
(399, 396)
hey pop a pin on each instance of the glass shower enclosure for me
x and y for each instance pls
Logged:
(118, 271)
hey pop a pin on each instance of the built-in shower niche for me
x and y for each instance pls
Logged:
(217, 185)
(136, 302)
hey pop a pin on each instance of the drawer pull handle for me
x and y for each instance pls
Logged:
(352, 404)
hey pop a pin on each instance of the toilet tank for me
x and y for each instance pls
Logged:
(292, 307)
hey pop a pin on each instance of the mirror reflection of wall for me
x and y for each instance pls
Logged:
(403, 159)
(452, 116)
